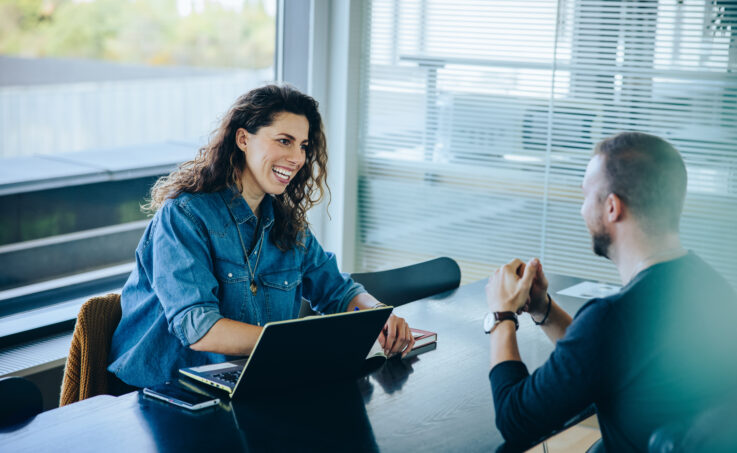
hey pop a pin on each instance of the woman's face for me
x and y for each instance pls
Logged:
(274, 154)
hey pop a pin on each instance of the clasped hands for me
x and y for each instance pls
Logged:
(518, 287)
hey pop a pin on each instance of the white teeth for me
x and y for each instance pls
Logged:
(285, 173)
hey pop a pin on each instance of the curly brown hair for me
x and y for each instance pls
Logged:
(220, 163)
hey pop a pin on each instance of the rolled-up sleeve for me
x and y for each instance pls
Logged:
(182, 274)
(194, 323)
(324, 286)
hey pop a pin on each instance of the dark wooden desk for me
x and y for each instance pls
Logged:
(439, 401)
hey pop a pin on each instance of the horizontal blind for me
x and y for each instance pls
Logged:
(478, 119)
(661, 67)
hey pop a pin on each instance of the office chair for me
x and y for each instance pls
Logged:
(21, 400)
(597, 447)
(85, 372)
(714, 430)
(406, 284)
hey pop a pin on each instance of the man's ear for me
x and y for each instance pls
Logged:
(241, 139)
(614, 208)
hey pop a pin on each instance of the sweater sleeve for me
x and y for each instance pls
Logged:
(530, 407)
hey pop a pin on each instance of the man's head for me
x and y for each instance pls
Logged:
(641, 173)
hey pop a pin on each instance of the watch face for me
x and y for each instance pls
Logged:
(488, 322)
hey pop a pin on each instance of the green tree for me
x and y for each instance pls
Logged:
(136, 31)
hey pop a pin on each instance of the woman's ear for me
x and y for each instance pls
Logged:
(241, 139)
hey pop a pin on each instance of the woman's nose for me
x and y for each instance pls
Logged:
(297, 155)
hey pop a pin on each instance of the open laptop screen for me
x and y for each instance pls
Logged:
(295, 355)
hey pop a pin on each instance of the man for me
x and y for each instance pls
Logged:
(661, 350)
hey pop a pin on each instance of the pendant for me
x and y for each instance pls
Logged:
(253, 288)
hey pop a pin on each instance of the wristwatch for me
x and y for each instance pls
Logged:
(492, 319)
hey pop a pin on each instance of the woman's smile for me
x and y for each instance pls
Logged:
(282, 174)
(274, 155)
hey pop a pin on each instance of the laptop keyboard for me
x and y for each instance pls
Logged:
(229, 376)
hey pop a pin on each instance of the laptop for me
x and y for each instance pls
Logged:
(298, 354)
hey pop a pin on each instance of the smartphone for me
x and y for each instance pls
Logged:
(172, 393)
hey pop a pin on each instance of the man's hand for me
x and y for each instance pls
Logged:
(396, 337)
(538, 303)
(509, 286)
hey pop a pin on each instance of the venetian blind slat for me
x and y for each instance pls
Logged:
(478, 119)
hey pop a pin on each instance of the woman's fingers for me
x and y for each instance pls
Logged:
(382, 338)
(391, 335)
(399, 336)
(411, 343)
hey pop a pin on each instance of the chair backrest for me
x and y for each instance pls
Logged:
(714, 431)
(85, 373)
(406, 284)
(20, 400)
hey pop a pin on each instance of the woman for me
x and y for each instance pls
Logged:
(229, 248)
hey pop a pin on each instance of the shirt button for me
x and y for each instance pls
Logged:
(230, 275)
(285, 282)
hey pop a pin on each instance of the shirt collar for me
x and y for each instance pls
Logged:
(242, 212)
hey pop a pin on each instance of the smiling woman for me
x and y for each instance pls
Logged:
(273, 156)
(257, 133)
(229, 248)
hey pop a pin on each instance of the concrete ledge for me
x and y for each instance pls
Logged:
(41, 172)
(83, 251)
(36, 356)
(63, 298)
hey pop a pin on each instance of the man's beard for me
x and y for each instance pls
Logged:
(602, 240)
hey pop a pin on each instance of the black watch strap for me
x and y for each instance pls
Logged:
(500, 316)
(492, 319)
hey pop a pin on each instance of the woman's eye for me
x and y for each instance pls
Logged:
(284, 141)
(304, 148)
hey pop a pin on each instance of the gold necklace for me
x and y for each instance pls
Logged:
(251, 272)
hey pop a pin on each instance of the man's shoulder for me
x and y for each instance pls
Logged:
(600, 304)
(705, 272)
(686, 277)
(596, 312)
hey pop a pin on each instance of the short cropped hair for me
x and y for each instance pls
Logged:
(648, 174)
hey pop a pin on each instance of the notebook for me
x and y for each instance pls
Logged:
(297, 354)
(424, 341)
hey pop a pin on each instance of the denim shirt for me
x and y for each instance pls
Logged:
(191, 271)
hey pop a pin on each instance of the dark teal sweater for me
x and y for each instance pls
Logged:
(661, 350)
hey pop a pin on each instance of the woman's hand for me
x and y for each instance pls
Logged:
(396, 337)
(509, 286)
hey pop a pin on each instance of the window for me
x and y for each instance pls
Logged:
(98, 98)
(92, 74)
(479, 119)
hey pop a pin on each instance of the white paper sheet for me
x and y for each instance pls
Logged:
(590, 290)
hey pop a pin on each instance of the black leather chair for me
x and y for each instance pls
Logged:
(20, 400)
(713, 430)
(406, 284)
(597, 447)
